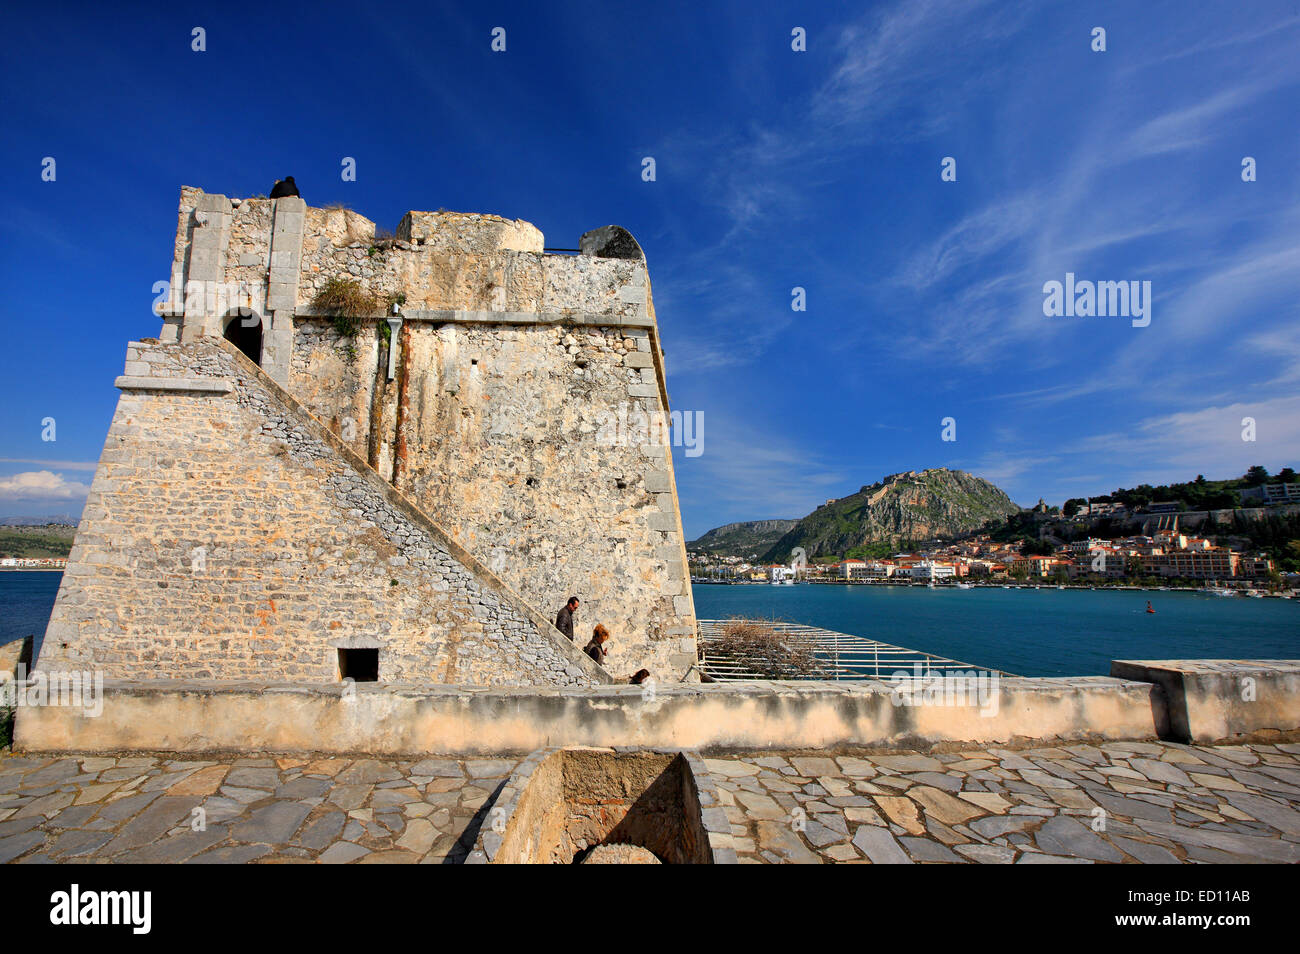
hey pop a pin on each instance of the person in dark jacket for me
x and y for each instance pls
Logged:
(596, 648)
(564, 618)
(285, 187)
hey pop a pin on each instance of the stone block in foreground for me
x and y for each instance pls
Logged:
(1219, 700)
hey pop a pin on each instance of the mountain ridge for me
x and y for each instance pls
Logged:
(742, 538)
(911, 505)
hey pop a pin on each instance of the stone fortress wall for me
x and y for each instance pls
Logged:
(508, 365)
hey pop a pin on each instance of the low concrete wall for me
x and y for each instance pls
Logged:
(1220, 700)
(396, 720)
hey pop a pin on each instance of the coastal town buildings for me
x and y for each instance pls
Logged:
(1168, 553)
(33, 563)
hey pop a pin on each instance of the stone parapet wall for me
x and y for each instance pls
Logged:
(227, 534)
(471, 232)
(440, 260)
(208, 716)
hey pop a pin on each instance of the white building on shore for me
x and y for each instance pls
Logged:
(926, 570)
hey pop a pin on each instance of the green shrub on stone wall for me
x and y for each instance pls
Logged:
(350, 306)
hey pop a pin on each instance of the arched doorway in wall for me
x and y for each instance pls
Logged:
(245, 333)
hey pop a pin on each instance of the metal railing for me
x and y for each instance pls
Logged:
(837, 656)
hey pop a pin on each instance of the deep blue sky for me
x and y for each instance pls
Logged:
(776, 169)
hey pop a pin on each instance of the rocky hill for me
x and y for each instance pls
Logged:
(742, 539)
(49, 540)
(909, 506)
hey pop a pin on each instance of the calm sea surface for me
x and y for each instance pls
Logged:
(26, 599)
(1046, 632)
(1027, 632)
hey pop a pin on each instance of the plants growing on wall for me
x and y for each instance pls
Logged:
(350, 306)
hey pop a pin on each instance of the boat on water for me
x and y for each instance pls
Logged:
(1255, 594)
(964, 586)
(1222, 592)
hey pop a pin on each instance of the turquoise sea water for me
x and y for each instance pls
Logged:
(1045, 632)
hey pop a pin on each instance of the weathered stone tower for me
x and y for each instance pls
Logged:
(426, 488)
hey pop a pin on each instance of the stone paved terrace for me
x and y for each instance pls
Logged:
(1164, 803)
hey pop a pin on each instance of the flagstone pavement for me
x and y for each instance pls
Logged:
(1120, 802)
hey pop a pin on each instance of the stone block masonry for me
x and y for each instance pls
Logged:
(509, 361)
(229, 535)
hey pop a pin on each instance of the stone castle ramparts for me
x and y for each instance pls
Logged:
(479, 400)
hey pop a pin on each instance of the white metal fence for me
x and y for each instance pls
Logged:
(836, 655)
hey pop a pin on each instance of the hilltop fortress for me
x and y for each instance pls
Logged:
(297, 492)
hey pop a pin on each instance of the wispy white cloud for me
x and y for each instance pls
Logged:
(1174, 49)
(755, 468)
(974, 239)
(889, 70)
(59, 464)
(1155, 449)
(1282, 345)
(880, 88)
(1168, 446)
(1264, 270)
(1187, 127)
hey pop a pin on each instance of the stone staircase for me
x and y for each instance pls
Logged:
(302, 540)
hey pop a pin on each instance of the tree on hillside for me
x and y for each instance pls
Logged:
(1255, 476)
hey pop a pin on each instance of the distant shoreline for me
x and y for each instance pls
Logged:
(985, 586)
